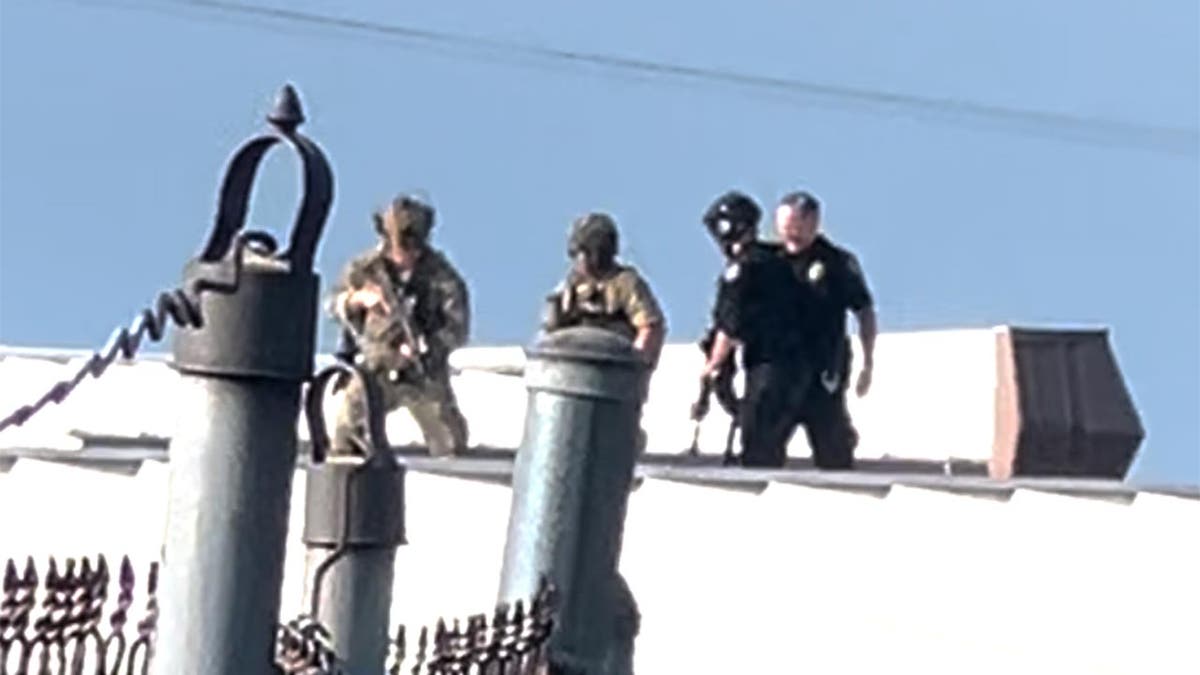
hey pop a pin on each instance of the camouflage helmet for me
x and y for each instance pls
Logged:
(594, 232)
(731, 216)
(407, 216)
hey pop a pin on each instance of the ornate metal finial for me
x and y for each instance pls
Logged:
(239, 177)
(287, 114)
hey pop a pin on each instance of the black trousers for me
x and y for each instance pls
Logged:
(783, 395)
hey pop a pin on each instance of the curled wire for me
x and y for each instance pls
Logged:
(304, 647)
(179, 306)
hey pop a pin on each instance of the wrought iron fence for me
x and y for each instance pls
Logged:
(54, 624)
(65, 623)
(512, 642)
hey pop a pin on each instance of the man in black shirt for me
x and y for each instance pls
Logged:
(732, 221)
(758, 310)
(831, 281)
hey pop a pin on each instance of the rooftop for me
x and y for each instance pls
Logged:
(960, 403)
(928, 553)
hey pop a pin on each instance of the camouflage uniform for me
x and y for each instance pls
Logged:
(620, 301)
(617, 300)
(437, 301)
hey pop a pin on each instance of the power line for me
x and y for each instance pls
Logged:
(1059, 126)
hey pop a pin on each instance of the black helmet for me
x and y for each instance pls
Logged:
(731, 216)
(595, 233)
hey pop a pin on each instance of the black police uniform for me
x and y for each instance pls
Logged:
(830, 282)
(759, 304)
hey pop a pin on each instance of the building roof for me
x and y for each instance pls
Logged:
(937, 403)
(898, 565)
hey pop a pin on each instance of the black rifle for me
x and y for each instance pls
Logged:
(722, 386)
(383, 352)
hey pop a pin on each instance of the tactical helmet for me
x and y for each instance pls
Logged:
(731, 216)
(595, 233)
(406, 217)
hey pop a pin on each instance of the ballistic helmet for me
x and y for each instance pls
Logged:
(596, 234)
(731, 216)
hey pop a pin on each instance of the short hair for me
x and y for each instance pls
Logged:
(802, 201)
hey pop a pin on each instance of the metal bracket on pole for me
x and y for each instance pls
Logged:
(267, 328)
(233, 452)
(353, 524)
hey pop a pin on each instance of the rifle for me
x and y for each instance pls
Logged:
(722, 385)
(383, 352)
(699, 412)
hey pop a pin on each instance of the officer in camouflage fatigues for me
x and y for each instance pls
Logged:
(404, 308)
(600, 292)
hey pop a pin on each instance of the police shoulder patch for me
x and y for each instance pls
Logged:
(732, 272)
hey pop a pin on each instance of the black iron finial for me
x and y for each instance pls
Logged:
(234, 197)
(287, 113)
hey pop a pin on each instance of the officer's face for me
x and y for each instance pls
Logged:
(403, 243)
(587, 262)
(795, 226)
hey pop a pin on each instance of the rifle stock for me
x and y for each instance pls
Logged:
(700, 405)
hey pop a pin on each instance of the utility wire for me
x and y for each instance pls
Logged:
(1059, 126)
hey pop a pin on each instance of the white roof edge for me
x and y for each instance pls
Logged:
(664, 469)
(64, 353)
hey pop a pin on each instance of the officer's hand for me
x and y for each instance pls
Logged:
(864, 382)
(368, 297)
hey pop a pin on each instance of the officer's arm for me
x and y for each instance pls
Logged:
(723, 346)
(727, 317)
(861, 302)
(648, 320)
(336, 303)
(649, 341)
(867, 330)
(456, 313)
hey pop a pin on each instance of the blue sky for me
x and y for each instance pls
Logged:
(117, 118)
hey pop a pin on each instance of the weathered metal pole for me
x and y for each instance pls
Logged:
(353, 523)
(234, 450)
(571, 486)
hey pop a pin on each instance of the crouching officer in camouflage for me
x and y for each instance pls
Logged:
(405, 308)
(601, 292)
